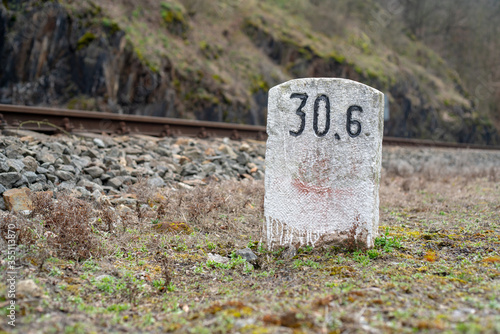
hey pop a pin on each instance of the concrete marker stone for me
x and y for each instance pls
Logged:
(323, 161)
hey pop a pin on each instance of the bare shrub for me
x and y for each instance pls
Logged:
(131, 290)
(228, 207)
(161, 211)
(166, 270)
(127, 220)
(202, 201)
(43, 203)
(139, 210)
(108, 217)
(66, 223)
(29, 234)
(24, 230)
(142, 191)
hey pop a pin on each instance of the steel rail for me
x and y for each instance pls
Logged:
(51, 120)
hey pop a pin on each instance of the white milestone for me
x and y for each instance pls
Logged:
(323, 160)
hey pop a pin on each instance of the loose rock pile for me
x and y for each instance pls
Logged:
(92, 165)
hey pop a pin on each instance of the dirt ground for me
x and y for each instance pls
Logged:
(145, 267)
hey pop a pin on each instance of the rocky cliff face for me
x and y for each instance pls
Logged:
(50, 57)
(413, 113)
(81, 57)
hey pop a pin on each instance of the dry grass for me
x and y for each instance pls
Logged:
(435, 266)
(66, 225)
(217, 208)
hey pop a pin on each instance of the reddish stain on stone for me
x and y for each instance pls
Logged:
(305, 188)
(308, 188)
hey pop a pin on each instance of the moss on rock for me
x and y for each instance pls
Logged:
(85, 40)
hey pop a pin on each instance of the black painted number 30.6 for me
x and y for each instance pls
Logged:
(349, 123)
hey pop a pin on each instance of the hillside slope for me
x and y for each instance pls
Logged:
(216, 60)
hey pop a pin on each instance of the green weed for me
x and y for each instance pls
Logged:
(307, 263)
(362, 258)
(388, 244)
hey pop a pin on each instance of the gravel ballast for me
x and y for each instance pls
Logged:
(88, 163)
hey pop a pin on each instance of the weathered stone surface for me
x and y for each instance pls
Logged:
(52, 178)
(92, 153)
(163, 151)
(66, 159)
(66, 185)
(28, 288)
(56, 147)
(94, 171)
(209, 168)
(31, 176)
(155, 182)
(323, 159)
(247, 254)
(17, 199)
(4, 167)
(243, 158)
(30, 164)
(99, 143)
(115, 153)
(81, 192)
(227, 150)
(115, 182)
(133, 150)
(67, 168)
(45, 156)
(193, 153)
(244, 147)
(190, 169)
(15, 165)
(65, 176)
(143, 158)
(217, 258)
(89, 185)
(239, 169)
(195, 182)
(183, 185)
(182, 159)
(289, 252)
(41, 170)
(36, 187)
(8, 179)
(21, 182)
(80, 162)
(14, 151)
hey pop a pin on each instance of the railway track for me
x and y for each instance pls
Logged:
(52, 120)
